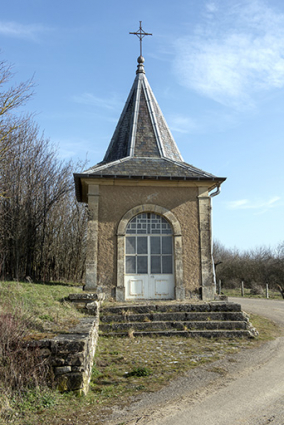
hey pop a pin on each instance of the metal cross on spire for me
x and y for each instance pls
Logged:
(140, 34)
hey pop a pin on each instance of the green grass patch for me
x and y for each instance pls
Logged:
(274, 295)
(44, 304)
(267, 329)
(140, 371)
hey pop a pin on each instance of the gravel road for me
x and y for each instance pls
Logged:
(246, 388)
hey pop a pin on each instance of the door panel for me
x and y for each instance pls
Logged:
(163, 287)
(149, 287)
(135, 288)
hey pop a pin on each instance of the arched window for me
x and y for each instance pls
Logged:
(149, 254)
(149, 245)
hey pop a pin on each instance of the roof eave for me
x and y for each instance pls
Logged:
(78, 186)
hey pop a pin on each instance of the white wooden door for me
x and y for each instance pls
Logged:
(149, 258)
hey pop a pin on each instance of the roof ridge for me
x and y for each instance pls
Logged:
(187, 166)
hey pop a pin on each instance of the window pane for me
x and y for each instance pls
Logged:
(155, 245)
(142, 266)
(142, 245)
(167, 245)
(130, 245)
(155, 264)
(167, 264)
(131, 265)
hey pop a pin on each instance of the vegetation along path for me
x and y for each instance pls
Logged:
(135, 379)
(248, 391)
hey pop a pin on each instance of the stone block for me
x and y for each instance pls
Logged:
(57, 361)
(92, 307)
(67, 344)
(76, 359)
(91, 279)
(120, 293)
(70, 382)
(62, 370)
(85, 296)
(208, 293)
(79, 305)
(180, 293)
(78, 369)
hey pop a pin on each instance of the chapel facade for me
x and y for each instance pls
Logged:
(149, 230)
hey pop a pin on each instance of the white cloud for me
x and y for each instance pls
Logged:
(236, 52)
(181, 124)
(102, 102)
(211, 7)
(233, 205)
(260, 205)
(15, 29)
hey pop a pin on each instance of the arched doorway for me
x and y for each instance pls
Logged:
(149, 269)
(162, 247)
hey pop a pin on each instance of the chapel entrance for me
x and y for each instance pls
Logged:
(149, 258)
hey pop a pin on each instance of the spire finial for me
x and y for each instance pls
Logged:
(140, 34)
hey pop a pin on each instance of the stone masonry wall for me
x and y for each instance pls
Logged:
(115, 201)
(71, 355)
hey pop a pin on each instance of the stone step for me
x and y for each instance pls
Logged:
(208, 320)
(173, 308)
(179, 317)
(175, 326)
(187, 334)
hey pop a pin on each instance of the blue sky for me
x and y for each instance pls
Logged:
(216, 69)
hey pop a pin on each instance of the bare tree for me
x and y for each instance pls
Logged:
(11, 98)
(42, 228)
(257, 267)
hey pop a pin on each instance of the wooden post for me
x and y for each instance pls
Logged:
(267, 293)
(242, 288)
(219, 287)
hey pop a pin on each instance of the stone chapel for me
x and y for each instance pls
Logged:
(149, 230)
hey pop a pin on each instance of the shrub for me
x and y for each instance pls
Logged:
(21, 366)
(140, 371)
(256, 289)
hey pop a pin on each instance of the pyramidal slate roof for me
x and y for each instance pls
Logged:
(142, 131)
(142, 145)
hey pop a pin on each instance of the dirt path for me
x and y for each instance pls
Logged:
(246, 388)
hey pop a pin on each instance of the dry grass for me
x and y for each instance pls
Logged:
(165, 357)
(123, 366)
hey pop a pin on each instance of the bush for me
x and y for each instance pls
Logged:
(21, 366)
(232, 284)
(256, 289)
(140, 371)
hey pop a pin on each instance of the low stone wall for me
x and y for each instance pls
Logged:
(71, 355)
(87, 301)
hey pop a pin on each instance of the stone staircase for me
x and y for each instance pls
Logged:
(209, 320)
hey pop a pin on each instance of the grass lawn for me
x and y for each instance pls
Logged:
(44, 305)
